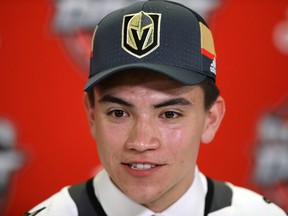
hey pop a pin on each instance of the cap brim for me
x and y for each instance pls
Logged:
(184, 76)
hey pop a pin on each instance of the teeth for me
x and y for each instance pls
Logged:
(142, 166)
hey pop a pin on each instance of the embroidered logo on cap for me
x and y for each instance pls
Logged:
(141, 33)
(213, 66)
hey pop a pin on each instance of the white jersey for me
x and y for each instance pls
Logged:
(220, 199)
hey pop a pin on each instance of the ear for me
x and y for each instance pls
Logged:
(89, 110)
(213, 120)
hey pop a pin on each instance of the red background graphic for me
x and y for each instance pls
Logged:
(41, 91)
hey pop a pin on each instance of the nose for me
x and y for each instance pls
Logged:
(143, 136)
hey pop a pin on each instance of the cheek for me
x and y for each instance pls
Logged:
(182, 142)
(109, 141)
(181, 136)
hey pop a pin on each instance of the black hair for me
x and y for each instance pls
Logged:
(211, 92)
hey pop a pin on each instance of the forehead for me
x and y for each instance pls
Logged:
(145, 87)
(142, 78)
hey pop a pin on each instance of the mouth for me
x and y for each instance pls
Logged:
(141, 166)
(142, 169)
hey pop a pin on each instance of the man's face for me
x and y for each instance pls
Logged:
(148, 130)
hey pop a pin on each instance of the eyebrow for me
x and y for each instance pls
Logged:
(175, 101)
(172, 102)
(112, 99)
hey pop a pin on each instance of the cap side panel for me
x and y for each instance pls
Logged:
(207, 54)
(207, 43)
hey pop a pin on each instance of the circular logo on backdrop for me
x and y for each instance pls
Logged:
(74, 21)
(280, 35)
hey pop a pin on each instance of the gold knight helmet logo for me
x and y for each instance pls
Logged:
(141, 33)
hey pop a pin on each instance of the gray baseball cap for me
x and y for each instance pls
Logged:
(160, 36)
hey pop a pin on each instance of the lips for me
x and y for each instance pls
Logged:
(141, 169)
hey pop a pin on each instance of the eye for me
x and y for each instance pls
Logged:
(118, 113)
(170, 115)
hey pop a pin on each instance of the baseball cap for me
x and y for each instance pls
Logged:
(159, 36)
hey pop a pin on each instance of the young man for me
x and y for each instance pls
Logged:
(151, 100)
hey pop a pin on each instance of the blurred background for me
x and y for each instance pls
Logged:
(44, 136)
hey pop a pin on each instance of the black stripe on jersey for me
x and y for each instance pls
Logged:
(219, 195)
(34, 213)
(93, 199)
(85, 199)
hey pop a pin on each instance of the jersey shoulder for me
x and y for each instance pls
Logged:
(248, 202)
(58, 204)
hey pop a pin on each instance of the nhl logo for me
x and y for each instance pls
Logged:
(141, 33)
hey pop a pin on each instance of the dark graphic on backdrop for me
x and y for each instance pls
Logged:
(270, 171)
